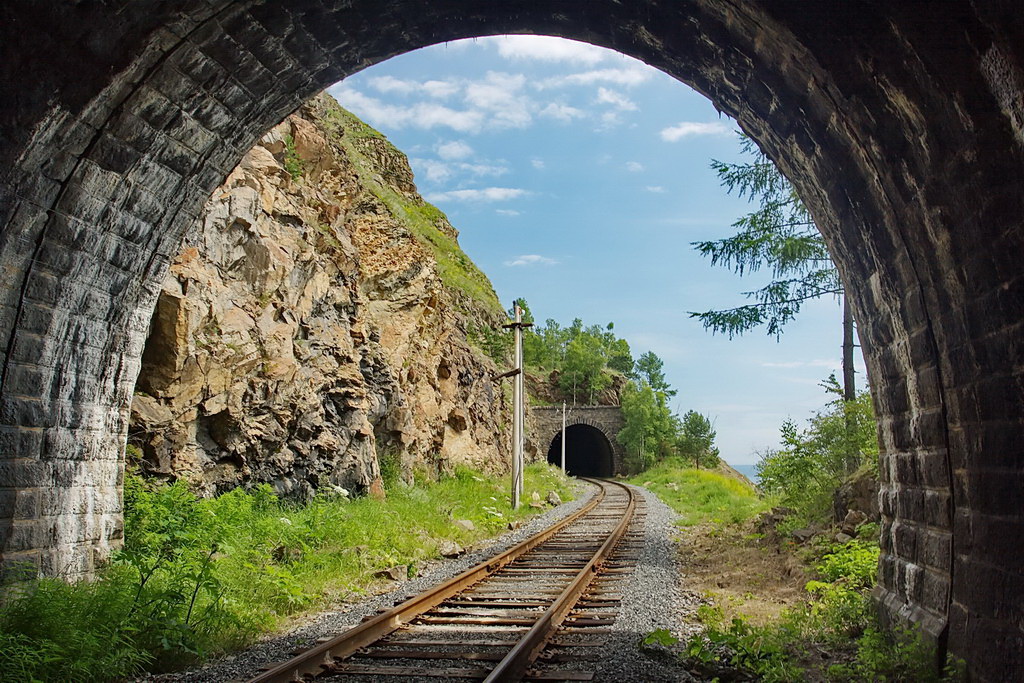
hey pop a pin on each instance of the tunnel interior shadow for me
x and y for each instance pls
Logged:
(588, 453)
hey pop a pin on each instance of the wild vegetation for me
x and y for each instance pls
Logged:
(701, 496)
(200, 576)
(814, 460)
(832, 633)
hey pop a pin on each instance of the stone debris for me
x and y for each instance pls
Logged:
(450, 549)
(553, 498)
(465, 524)
(396, 573)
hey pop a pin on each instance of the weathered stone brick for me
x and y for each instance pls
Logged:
(24, 411)
(113, 154)
(17, 566)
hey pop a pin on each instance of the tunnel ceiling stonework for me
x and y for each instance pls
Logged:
(901, 125)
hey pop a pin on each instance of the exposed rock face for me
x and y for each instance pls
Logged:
(304, 329)
(546, 389)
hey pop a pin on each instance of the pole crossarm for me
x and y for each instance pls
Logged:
(511, 373)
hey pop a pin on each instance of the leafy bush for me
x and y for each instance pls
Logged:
(293, 163)
(813, 461)
(856, 562)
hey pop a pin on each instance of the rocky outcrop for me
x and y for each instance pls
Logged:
(546, 390)
(306, 326)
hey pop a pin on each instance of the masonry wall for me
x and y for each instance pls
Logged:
(900, 124)
(544, 423)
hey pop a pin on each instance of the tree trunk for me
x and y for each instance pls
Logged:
(849, 383)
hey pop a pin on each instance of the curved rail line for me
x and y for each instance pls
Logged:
(506, 609)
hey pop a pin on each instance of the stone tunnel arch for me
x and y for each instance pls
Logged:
(588, 451)
(123, 116)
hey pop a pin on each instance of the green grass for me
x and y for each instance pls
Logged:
(202, 576)
(701, 495)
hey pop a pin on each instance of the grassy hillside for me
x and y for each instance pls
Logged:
(425, 221)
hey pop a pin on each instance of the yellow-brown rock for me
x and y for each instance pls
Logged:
(304, 328)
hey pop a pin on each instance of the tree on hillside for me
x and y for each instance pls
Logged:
(697, 440)
(649, 368)
(650, 427)
(780, 236)
(583, 368)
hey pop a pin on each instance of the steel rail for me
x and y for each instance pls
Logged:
(513, 667)
(315, 660)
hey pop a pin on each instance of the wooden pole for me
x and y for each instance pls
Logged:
(517, 409)
(563, 436)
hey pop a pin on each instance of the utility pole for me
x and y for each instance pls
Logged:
(518, 404)
(563, 436)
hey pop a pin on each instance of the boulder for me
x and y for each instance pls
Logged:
(396, 573)
(449, 548)
(553, 498)
(859, 492)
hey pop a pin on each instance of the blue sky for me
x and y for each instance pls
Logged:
(578, 178)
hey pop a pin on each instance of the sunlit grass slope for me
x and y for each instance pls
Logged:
(701, 495)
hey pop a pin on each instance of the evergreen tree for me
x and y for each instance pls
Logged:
(649, 368)
(697, 440)
(780, 236)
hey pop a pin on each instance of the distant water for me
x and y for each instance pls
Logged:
(750, 471)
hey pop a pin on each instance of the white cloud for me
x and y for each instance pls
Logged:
(562, 112)
(531, 260)
(608, 120)
(433, 88)
(456, 149)
(625, 77)
(478, 170)
(687, 129)
(548, 49)
(424, 115)
(391, 84)
(538, 164)
(440, 89)
(656, 189)
(615, 99)
(435, 171)
(507, 212)
(500, 97)
(487, 194)
(634, 166)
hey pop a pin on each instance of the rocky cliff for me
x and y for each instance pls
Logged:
(315, 319)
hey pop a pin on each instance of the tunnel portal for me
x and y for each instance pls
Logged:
(136, 111)
(588, 453)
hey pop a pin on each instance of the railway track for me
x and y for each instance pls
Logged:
(541, 610)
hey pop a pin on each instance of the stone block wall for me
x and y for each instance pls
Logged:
(545, 423)
(900, 124)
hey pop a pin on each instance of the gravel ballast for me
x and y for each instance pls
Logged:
(652, 598)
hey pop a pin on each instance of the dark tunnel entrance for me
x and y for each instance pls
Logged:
(587, 453)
